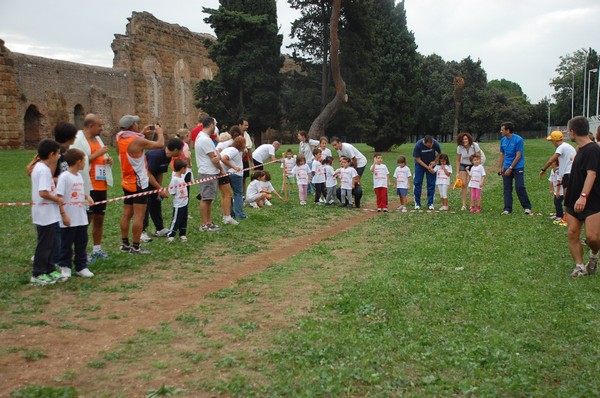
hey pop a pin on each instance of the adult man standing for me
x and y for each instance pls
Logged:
(358, 161)
(158, 161)
(264, 153)
(209, 167)
(247, 162)
(512, 167)
(564, 154)
(582, 200)
(196, 130)
(426, 154)
(131, 145)
(97, 176)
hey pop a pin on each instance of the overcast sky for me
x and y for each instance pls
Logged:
(518, 40)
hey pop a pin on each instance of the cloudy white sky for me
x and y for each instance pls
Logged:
(518, 40)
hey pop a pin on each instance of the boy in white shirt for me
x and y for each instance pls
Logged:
(45, 213)
(179, 190)
(318, 175)
(402, 175)
(348, 179)
(381, 180)
(75, 221)
(330, 181)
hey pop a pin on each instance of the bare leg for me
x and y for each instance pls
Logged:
(139, 212)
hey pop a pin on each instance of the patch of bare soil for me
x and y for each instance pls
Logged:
(160, 300)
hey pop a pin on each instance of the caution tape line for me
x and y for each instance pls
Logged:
(137, 195)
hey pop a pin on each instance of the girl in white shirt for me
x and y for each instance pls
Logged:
(302, 173)
(443, 171)
(476, 180)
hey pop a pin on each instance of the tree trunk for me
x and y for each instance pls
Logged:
(325, 58)
(318, 126)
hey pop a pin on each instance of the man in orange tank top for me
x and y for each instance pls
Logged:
(131, 145)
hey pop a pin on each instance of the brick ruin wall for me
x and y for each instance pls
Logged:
(155, 69)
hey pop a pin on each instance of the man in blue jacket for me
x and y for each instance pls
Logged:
(426, 154)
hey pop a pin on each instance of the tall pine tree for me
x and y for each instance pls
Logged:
(248, 53)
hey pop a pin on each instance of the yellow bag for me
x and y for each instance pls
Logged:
(458, 183)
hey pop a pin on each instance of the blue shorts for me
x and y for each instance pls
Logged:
(402, 191)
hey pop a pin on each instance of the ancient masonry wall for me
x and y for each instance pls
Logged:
(155, 69)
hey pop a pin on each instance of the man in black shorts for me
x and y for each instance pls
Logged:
(582, 200)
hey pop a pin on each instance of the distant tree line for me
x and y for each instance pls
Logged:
(393, 91)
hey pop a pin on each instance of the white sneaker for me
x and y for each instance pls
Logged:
(230, 220)
(528, 212)
(254, 204)
(322, 200)
(267, 203)
(417, 207)
(403, 210)
(65, 271)
(302, 203)
(505, 213)
(431, 207)
(443, 208)
(171, 239)
(86, 273)
(145, 237)
(162, 232)
(183, 238)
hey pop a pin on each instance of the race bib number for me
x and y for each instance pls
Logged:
(100, 173)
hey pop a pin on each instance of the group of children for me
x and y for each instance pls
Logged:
(324, 178)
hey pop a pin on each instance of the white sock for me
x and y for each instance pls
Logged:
(97, 248)
(592, 255)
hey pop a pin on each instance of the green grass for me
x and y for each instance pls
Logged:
(417, 304)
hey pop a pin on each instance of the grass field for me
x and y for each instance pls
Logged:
(416, 304)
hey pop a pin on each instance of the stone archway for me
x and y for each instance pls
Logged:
(32, 126)
(78, 116)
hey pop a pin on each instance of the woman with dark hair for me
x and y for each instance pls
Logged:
(306, 146)
(466, 147)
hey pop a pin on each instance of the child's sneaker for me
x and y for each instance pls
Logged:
(472, 210)
(86, 273)
(302, 203)
(41, 280)
(162, 232)
(404, 209)
(125, 248)
(145, 238)
(139, 250)
(254, 205)
(57, 276)
(171, 239)
(385, 209)
(183, 238)
(99, 255)
(268, 203)
(65, 271)
(379, 209)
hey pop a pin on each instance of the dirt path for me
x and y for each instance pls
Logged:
(160, 300)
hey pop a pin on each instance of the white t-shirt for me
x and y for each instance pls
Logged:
(43, 212)
(235, 157)
(248, 140)
(180, 193)
(346, 175)
(325, 152)
(350, 151)
(566, 154)
(253, 189)
(319, 171)
(263, 153)
(477, 173)
(203, 146)
(224, 144)
(330, 180)
(289, 165)
(558, 189)
(441, 177)
(301, 173)
(465, 155)
(380, 176)
(306, 149)
(70, 187)
(401, 175)
(266, 186)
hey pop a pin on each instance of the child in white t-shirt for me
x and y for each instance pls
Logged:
(287, 165)
(557, 192)
(330, 182)
(403, 177)
(268, 188)
(318, 176)
(348, 179)
(443, 170)
(302, 173)
(74, 225)
(381, 180)
(45, 212)
(179, 191)
(476, 180)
